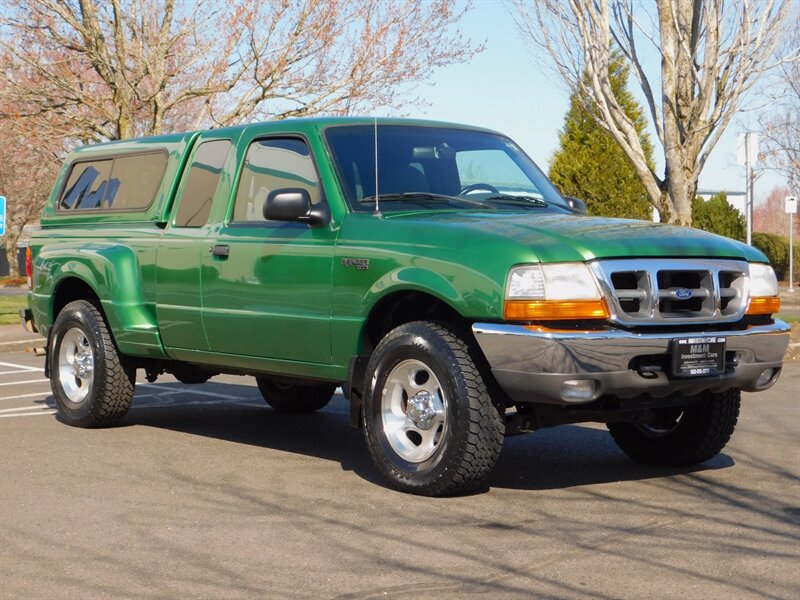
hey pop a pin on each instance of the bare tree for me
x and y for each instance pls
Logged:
(120, 68)
(82, 71)
(711, 52)
(769, 215)
(780, 124)
(28, 168)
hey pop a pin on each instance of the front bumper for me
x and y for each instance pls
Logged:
(533, 366)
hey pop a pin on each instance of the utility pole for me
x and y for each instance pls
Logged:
(791, 210)
(747, 154)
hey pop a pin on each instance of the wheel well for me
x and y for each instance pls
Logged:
(404, 307)
(72, 289)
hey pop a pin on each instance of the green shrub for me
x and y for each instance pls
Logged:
(776, 247)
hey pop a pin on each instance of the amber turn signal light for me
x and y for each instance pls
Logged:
(763, 306)
(553, 310)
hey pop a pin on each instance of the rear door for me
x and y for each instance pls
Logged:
(185, 243)
(266, 285)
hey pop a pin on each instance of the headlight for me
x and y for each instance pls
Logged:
(525, 282)
(764, 298)
(559, 281)
(762, 280)
(553, 292)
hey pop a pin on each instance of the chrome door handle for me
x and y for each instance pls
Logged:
(221, 250)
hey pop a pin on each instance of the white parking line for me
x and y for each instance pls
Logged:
(19, 371)
(171, 391)
(40, 394)
(25, 408)
(164, 397)
(23, 367)
(28, 381)
(173, 403)
(37, 413)
(33, 341)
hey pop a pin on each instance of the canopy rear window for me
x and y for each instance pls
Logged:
(128, 182)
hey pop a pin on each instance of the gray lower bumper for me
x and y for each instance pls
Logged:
(532, 366)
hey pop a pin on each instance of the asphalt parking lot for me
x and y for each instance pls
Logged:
(205, 492)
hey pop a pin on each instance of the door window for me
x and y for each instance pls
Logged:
(201, 183)
(273, 164)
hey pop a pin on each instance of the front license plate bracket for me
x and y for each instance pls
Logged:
(698, 356)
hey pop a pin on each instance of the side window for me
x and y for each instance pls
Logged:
(201, 183)
(273, 164)
(120, 183)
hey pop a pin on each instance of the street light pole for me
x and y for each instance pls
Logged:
(748, 199)
(790, 207)
(791, 252)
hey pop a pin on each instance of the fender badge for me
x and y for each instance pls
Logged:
(359, 264)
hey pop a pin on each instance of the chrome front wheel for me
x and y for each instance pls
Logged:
(429, 423)
(414, 411)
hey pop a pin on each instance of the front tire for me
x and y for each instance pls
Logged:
(682, 437)
(295, 398)
(429, 423)
(92, 382)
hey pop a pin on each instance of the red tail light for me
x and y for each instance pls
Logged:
(29, 266)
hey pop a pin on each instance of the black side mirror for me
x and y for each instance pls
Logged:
(294, 204)
(577, 205)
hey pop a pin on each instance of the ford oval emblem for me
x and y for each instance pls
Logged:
(683, 294)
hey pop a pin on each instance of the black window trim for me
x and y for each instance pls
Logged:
(101, 157)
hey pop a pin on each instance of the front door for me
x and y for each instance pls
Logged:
(266, 285)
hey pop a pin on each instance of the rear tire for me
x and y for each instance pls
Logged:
(429, 422)
(92, 382)
(684, 437)
(295, 398)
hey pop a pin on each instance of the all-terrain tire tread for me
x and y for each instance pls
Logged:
(722, 422)
(480, 448)
(296, 398)
(707, 429)
(114, 392)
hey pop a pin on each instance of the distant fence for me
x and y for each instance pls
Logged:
(4, 270)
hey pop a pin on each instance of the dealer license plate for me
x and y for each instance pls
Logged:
(698, 357)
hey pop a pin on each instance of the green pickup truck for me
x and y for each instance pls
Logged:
(429, 269)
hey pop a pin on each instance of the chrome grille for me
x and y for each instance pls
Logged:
(659, 292)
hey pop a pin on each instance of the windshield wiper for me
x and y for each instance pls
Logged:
(424, 196)
(517, 200)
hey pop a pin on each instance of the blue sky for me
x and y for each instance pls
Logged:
(502, 88)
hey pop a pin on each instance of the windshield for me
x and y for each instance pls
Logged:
(437, 167)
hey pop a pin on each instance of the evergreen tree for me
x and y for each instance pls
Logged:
(718, 216)
(591, 166)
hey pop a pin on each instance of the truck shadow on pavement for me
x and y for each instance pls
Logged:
(562, 457)
(657, 522)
